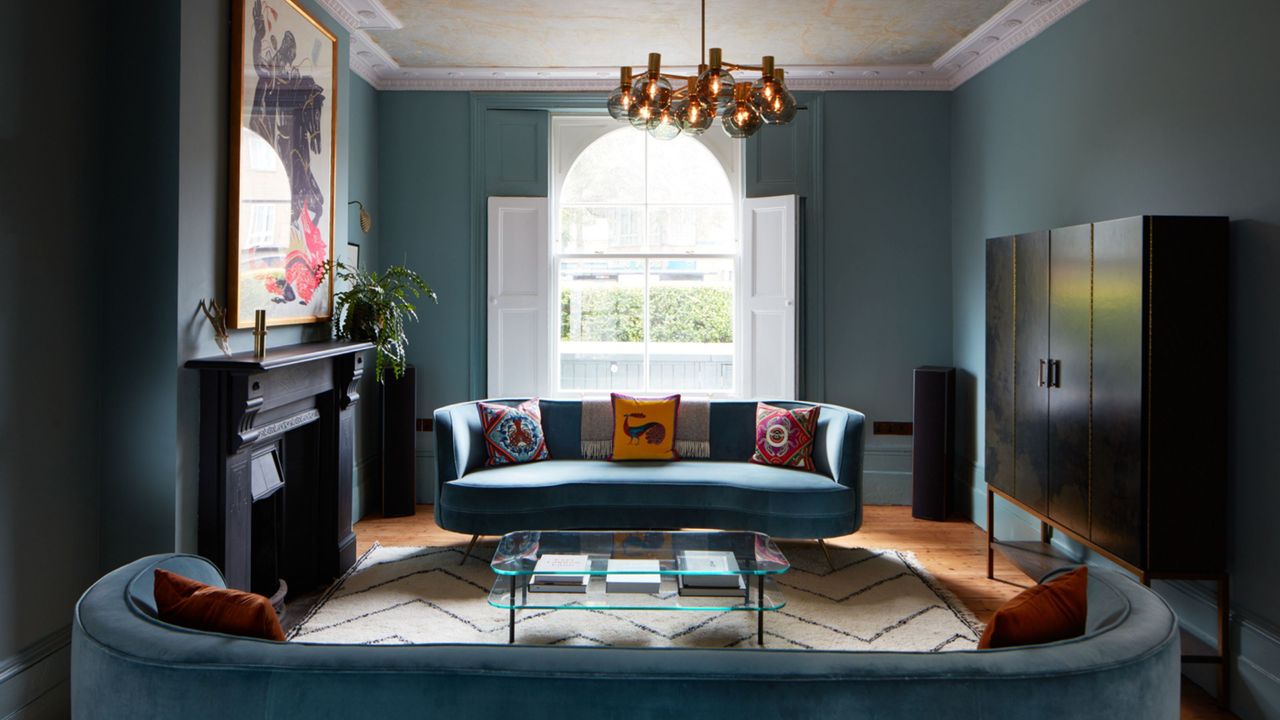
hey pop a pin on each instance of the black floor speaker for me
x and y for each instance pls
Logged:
(933, 444)
(399, 421)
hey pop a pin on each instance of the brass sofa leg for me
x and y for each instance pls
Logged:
(470, 545)
(827, 553)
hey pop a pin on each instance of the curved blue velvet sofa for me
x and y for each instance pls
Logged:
(723, 492)
(127, 664)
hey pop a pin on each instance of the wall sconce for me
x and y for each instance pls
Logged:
(366, 220)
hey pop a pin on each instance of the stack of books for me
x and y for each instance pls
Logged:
(632, 576)
(710, 561)
(561, 574)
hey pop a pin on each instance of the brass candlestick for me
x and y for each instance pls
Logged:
(259, 334)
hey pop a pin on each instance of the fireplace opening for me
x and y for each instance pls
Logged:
(287, 517)
(266, 483)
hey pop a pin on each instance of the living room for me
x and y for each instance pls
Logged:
(923, 136)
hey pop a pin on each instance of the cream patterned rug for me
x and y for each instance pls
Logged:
(872, 600)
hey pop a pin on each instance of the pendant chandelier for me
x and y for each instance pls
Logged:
(650, 103)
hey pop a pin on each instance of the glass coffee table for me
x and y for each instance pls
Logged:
(695, 571)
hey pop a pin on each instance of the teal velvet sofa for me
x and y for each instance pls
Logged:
(127, 664)
(724, 491)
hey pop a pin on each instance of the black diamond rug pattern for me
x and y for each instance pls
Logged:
(868, 599)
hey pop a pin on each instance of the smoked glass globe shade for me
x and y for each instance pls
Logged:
(695, 116)
(620, 103)
(743, 121)
(666, 126)
(655, 90)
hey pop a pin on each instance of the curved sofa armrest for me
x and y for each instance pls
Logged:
(843, 443)
(459, 447)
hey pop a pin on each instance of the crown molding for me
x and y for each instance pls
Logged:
(1006, 31)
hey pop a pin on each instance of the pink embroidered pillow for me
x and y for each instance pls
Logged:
(513, 434)
(785, 437)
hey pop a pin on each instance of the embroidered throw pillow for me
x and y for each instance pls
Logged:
(1052, 611)
(785, 437)
(644, 428)
(192, 604)
(513, 434)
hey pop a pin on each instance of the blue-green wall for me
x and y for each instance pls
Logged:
(362, 185)
(887, 262)
(1128, 107)
(881, 255)
(424, 175)
(51, 179)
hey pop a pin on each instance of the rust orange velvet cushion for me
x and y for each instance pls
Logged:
(1051, 611)
(191, 604)
(644, 428)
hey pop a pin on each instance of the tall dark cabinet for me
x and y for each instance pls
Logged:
(1106, 391)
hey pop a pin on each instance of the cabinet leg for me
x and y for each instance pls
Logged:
(1046, 532)
(991, 531)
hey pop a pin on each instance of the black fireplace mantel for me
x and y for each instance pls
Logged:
(249, 408)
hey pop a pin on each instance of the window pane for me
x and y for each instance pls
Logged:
(683, 170)
(691, 324)
(602, 324)
(601, 229)
(610, 170)
(691, 229)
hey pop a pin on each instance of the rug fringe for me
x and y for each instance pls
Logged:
(329, 591)
(962, 612)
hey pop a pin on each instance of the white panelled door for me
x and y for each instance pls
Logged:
(767, 311)
(519, 332)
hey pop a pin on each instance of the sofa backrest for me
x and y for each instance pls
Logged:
(733, 426)
(133, 666)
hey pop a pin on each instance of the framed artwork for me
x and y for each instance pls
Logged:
(352, 260)
(283, 151)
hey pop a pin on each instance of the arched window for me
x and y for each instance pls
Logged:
(644, 253)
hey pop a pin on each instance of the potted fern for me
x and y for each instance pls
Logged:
(375, 308)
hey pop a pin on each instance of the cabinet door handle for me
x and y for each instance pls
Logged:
(1041, 372)
(1055, 373)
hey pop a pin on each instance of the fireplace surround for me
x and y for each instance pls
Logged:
(276, 448)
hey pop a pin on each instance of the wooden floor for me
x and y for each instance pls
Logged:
(954, 551)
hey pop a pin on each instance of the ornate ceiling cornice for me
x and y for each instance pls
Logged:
(1005, 32)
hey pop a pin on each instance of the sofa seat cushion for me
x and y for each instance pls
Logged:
(685, 484)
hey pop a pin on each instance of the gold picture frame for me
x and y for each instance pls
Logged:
(283, 164)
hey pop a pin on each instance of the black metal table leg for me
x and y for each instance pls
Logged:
(760, 610)
(511, 626)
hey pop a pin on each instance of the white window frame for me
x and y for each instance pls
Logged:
(570, 135)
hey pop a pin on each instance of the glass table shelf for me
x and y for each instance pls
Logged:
(756, 556)
(596, 597)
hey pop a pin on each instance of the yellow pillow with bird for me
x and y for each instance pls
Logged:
(644, 428)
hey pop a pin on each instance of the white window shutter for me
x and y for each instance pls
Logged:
(519, 333)
(767, 311)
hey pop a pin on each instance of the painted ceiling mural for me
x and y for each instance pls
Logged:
(605, 33)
